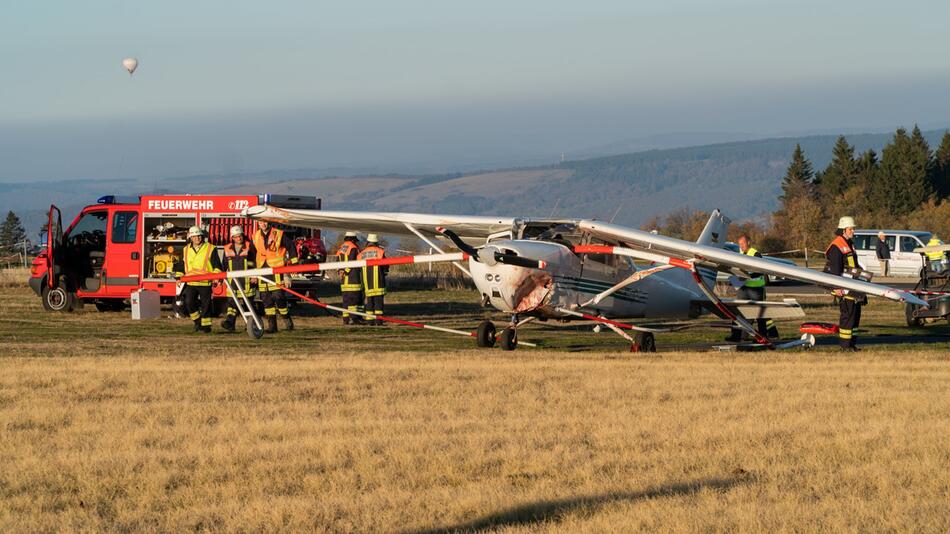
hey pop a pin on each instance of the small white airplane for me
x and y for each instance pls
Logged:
(577, 269)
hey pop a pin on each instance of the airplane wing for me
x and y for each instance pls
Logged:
(722, 259)
(473, 229)
(933, 248)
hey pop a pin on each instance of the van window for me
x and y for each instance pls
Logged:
(124, 224)
(891, 242)
(864, 242)
(908, 244)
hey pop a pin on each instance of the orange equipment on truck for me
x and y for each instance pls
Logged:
(117, 246)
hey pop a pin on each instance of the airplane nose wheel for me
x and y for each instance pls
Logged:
(485, 336)
(509, 339)
(643, 342)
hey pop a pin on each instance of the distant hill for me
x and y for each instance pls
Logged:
(742, 178)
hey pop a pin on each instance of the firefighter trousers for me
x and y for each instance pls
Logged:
(848, 321)
(352, 301)
(765, 327)
(275, 301)
(374, 304)
(198, 303)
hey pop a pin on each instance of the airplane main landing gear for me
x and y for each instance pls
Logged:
(643, 342)
(509, 339)
(485, 336)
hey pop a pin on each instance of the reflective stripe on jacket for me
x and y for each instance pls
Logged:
(935, 256)
(350, 278)
(235, 260)
(755, 279)
(199, 262)
(270, 248)
(374, 276)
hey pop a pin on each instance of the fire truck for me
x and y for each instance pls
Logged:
(117, 246)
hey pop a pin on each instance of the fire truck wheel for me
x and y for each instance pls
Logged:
(58, 299)
(254, 331)
(485, 337)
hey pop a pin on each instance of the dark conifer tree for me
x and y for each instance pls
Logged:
(799, 178)
(942, 167)
(842, 172)
(906, 172)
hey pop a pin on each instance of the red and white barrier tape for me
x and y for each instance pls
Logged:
(327, 266)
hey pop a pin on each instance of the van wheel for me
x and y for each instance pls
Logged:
(58, 299)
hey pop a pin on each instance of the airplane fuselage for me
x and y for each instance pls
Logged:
(570, 280)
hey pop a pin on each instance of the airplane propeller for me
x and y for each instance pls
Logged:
(490, 255)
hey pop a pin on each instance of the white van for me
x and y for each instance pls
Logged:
(904, 261)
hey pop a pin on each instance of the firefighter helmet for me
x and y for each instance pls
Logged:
(194, 231)
(349, 234)
(845, 222)
(237, 230)
(372, 238)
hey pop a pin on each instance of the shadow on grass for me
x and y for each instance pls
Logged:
(553, 510)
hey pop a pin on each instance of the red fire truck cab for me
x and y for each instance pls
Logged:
(117, 246)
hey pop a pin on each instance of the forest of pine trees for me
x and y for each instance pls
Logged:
(907, 186)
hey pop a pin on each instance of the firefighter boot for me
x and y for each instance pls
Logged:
(197, 324)
(228, 323)
(288, 322)
(271, 325)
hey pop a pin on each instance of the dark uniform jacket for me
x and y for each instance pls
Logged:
(882, 250)
(840, 256)
(351, 279)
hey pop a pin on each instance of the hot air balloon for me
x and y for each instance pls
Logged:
(130, 64)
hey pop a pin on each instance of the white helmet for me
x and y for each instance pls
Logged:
(237, 230)
(372, 238)
(349, 234)
(194, 231)
(846, 222)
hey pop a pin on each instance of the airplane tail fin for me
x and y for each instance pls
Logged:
(714, 234)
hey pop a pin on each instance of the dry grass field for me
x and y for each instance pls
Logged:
(111, 424)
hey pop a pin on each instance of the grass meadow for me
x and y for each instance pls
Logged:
(112, 424)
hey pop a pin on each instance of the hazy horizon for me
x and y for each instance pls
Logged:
(244, 87)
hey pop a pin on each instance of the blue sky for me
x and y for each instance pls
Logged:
(255, 85)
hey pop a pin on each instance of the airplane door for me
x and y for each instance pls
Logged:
(123, 260)
(54, 241)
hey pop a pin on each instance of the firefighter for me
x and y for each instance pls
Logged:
(198, 257)
(753, 289)
(842, 260)
(239, 255)
(274, 248)
(374, 278)
(351, 283)
(936, 261)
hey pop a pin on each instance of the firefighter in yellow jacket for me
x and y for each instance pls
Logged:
(274, 249)
(351, 283)
(374, 278)
(239, 255)
(198, 257)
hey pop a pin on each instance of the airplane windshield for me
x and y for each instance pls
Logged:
(560, 231)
